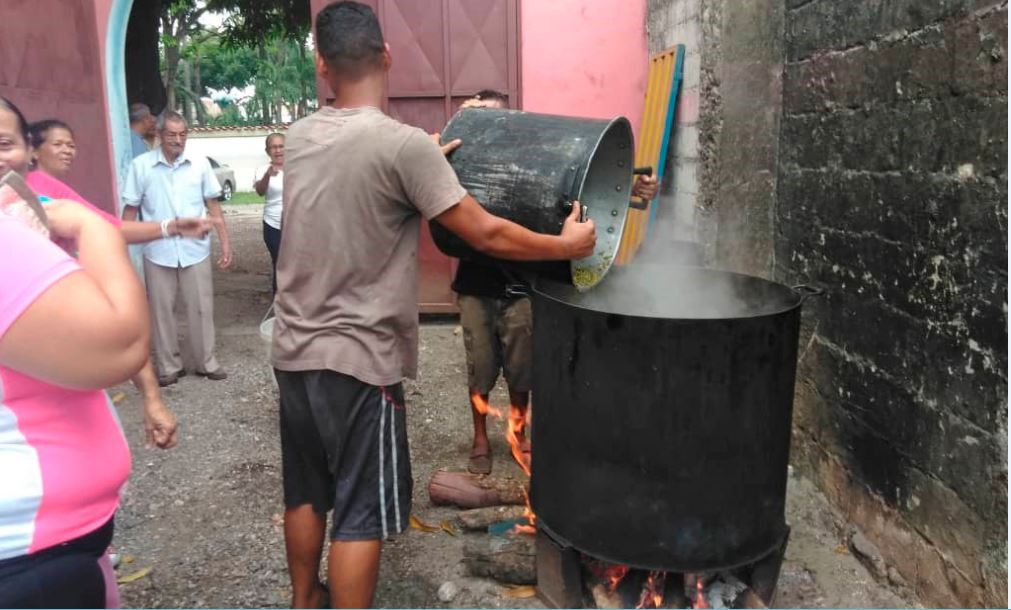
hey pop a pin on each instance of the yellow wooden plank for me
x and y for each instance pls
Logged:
(655, 104)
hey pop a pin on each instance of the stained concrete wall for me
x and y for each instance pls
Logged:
(862, 146)
(893, 196)
(673, 22)
(720, 182)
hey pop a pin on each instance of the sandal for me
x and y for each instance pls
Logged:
(479, 463)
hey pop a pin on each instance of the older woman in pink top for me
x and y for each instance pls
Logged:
(62, 451)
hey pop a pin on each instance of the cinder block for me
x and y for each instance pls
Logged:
(685, 143)
(683, 205)
(687, 111)
(691, 71)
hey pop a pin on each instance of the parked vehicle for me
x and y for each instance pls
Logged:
(226, 178)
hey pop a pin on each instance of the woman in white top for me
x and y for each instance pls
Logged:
(269, 186)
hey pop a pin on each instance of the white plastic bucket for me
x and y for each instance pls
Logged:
(267, 335)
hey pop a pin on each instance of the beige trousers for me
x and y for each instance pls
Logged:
(192, 290)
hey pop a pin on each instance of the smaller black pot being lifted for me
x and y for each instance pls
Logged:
(529, 167)
(662, 413)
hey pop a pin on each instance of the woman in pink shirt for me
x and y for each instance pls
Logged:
(55, 147)
(62, 451)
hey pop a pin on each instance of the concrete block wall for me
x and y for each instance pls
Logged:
(669, 23)
(740, 109)
(720, 181)
(892, 195)
(861, 146)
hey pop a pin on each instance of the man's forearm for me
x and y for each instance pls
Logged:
(214, 210)
(511, 241)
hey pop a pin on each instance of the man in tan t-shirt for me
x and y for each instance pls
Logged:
(357, 184)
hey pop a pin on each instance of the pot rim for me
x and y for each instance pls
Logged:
(541, 286)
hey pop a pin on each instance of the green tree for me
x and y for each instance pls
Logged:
(180, 24)
(191, 60)
(284, 79)
(224, 66)
(253, 21)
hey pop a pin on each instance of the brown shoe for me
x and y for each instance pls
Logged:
(217, 375)
(168, 379)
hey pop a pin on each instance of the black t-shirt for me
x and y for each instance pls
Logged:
(482, 280)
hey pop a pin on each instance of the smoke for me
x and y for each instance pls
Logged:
(678, 292)
(667, 279)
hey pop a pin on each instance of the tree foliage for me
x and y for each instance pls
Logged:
(261, 43)
(253, 21)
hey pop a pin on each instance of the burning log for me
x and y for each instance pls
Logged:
(507, 559)
(749, 599)
(473, 491)
(478, 519)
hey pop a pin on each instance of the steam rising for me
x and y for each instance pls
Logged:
(666, 281)
(671, 291)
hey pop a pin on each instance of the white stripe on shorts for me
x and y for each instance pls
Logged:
(382, 465)
(393, 446)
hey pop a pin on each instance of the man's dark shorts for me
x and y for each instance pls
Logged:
(344, 446)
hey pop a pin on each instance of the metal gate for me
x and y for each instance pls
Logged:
(443, 52)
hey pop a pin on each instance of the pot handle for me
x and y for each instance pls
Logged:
(806, 291)
(641, 204)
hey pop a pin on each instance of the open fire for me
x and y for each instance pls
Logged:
(619, 586)
(606, 585)
(515, 435)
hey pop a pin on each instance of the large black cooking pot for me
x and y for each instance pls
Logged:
(529, 168)
(662, 412)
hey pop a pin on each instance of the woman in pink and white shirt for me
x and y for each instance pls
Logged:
(63, 457)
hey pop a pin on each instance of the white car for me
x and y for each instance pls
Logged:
(226, 178)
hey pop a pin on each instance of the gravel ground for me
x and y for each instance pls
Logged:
(205, 517)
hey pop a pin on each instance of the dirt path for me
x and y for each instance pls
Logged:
(205, 517)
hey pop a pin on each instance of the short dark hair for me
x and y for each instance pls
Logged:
(492, 95)
(139, 112)
(348, 38)
(22, 122)
(39, 129)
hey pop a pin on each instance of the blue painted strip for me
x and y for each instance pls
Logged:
(675, 88)
(115, 89)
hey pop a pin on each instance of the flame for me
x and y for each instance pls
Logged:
(483, 407)
(614, 576)
(514, 430)
(528, 514)
(700, 596)
(652, 593)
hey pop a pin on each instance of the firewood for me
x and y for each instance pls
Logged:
(478, 519)
(473, 491)
(603, 597)
(749, 599)
(509, 559)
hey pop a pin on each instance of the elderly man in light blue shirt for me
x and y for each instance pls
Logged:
(164, 184)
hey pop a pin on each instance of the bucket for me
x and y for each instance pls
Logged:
(267, 335)
(529, 167)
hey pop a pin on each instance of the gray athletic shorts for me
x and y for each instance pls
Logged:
(344, 447)
(497, 335)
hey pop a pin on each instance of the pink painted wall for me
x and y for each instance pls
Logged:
(584, 57)
(58, 72)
